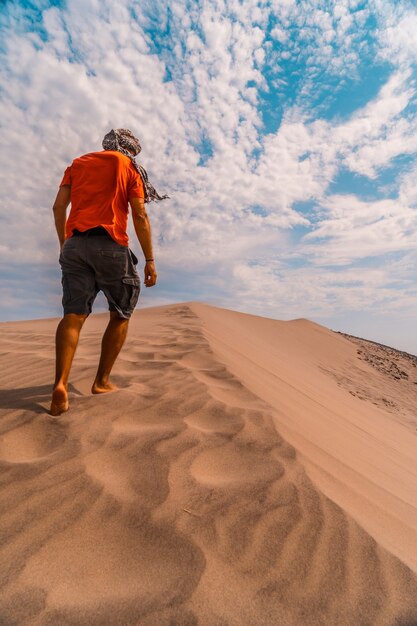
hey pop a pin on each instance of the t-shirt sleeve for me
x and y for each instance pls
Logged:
(136, 189)
(67, 177)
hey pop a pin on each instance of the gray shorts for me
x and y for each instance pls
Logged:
(90, 264)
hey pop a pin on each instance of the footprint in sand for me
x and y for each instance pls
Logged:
(31, 441)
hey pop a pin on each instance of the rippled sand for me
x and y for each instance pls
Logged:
(248, 471)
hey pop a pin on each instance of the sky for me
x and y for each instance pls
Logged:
(284, 132)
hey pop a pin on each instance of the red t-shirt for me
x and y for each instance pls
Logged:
(102, 184)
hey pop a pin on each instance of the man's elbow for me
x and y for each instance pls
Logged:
(59, 209)
(140, 217)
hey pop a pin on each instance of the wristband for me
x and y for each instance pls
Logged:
(149, 260)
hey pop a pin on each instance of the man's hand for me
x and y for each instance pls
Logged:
(150, 274)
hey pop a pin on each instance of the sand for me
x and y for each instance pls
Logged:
(248, 471)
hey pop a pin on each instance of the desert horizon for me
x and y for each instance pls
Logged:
(247, 471)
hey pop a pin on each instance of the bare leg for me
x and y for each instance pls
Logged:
(112, 342)
(66, 341)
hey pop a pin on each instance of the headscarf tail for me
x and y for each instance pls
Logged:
(123, 140)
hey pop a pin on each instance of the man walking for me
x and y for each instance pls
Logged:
(95, 254)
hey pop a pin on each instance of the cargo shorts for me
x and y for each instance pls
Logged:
(94, 263)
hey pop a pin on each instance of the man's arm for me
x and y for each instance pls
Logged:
(61, 203)
(144, 235)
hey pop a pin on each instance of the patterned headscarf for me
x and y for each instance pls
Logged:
(122, 140)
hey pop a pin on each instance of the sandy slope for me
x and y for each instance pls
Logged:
(360, 447)
(186, 497)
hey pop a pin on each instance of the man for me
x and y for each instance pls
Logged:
(95, 254)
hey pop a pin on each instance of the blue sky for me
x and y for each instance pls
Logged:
(283, 131)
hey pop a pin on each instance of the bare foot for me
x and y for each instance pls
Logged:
(103, 387)
(59, 402)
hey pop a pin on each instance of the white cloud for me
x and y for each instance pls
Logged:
(408, 188)
(280, 34)
(355, 229)
(397, 32)
(380, 131)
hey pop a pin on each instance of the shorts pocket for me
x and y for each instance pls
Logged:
(135, 290)
(113, 254)
(134, 258)
(112, 263)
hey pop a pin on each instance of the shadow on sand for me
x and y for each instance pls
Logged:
(29, 398)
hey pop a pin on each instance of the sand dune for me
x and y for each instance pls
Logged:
(248, 471)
